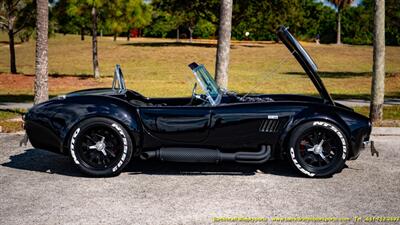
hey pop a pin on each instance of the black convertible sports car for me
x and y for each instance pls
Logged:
(102, 129)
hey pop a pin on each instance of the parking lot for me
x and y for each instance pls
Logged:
(38, 187)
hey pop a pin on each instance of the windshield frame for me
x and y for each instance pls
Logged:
(207, 83)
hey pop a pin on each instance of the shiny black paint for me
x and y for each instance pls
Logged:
(171, 122)
(58, 117)
(231, 126)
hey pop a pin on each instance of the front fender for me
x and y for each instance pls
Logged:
(312, 114)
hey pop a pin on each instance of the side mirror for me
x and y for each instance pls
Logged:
(118, 83)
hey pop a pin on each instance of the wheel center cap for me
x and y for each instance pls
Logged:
(100, 146)
(317, 149)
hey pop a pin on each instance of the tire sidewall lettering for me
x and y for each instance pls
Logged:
(120, 132)
(327, 126)
(296, 163)
(338, 132)
(125, 151)
(72, 146)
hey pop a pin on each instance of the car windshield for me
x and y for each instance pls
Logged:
(208, 84)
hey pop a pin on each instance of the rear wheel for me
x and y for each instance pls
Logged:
(100, 147)
(318, 149)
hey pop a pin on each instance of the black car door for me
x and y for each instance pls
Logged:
(182, 124)
(238, 126)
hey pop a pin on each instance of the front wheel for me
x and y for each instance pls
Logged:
(100, 147)
(318, 149)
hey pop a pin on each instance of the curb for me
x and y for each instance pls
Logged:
(385, 131)
(15, 105)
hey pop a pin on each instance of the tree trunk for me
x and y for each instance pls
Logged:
(128, 38)
(82, 34)
(378, 77)
(190, 34)
(96, 70)
(177, 35)
(13, 67)
(41, 66)
(11, 18)
(339, 28)
(115, 37)
(224, 39)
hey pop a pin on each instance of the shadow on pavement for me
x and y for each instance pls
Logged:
(43, 161)
(48, 162)
(281, 168)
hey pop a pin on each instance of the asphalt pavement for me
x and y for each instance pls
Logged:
(39, 187)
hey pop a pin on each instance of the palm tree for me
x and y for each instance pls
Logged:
(41, 66)
(95, 57)
(378, 77)
(339, 5)
(224, 43)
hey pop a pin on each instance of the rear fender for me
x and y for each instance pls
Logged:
(72, 110)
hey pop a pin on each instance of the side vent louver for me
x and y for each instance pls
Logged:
(274, 125)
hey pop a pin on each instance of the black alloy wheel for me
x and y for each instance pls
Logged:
(318, 149)
(100, 147)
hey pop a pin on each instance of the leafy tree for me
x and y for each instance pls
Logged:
(15, 16)
(317, 19)
(188, 13)
(115, 21)
(357, 25)
(204, 29)
(392, 22)
(74, 15)
(137, 14)
(123, 15)
(70, 18)
(339, 5)
(81, 10)
(162, 25)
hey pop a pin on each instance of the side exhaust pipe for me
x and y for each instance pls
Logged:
(207, 155)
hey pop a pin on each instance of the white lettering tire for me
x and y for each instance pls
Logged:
(303, 152)
(100, 147)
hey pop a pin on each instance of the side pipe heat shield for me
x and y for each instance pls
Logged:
(207, 155)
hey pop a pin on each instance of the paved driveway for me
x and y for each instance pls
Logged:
(37, 187)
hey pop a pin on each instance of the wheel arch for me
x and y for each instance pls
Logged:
(135, 137)
(294, 123)
(130, 121)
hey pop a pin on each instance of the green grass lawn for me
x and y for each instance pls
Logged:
(389, 112)
(158, 67)
(8, 121)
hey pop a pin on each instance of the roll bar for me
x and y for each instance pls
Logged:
(118, 84)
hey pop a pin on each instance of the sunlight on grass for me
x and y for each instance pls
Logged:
(10, 121)
(389, 112)
(158, 67)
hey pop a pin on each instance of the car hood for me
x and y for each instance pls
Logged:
(305, 61)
